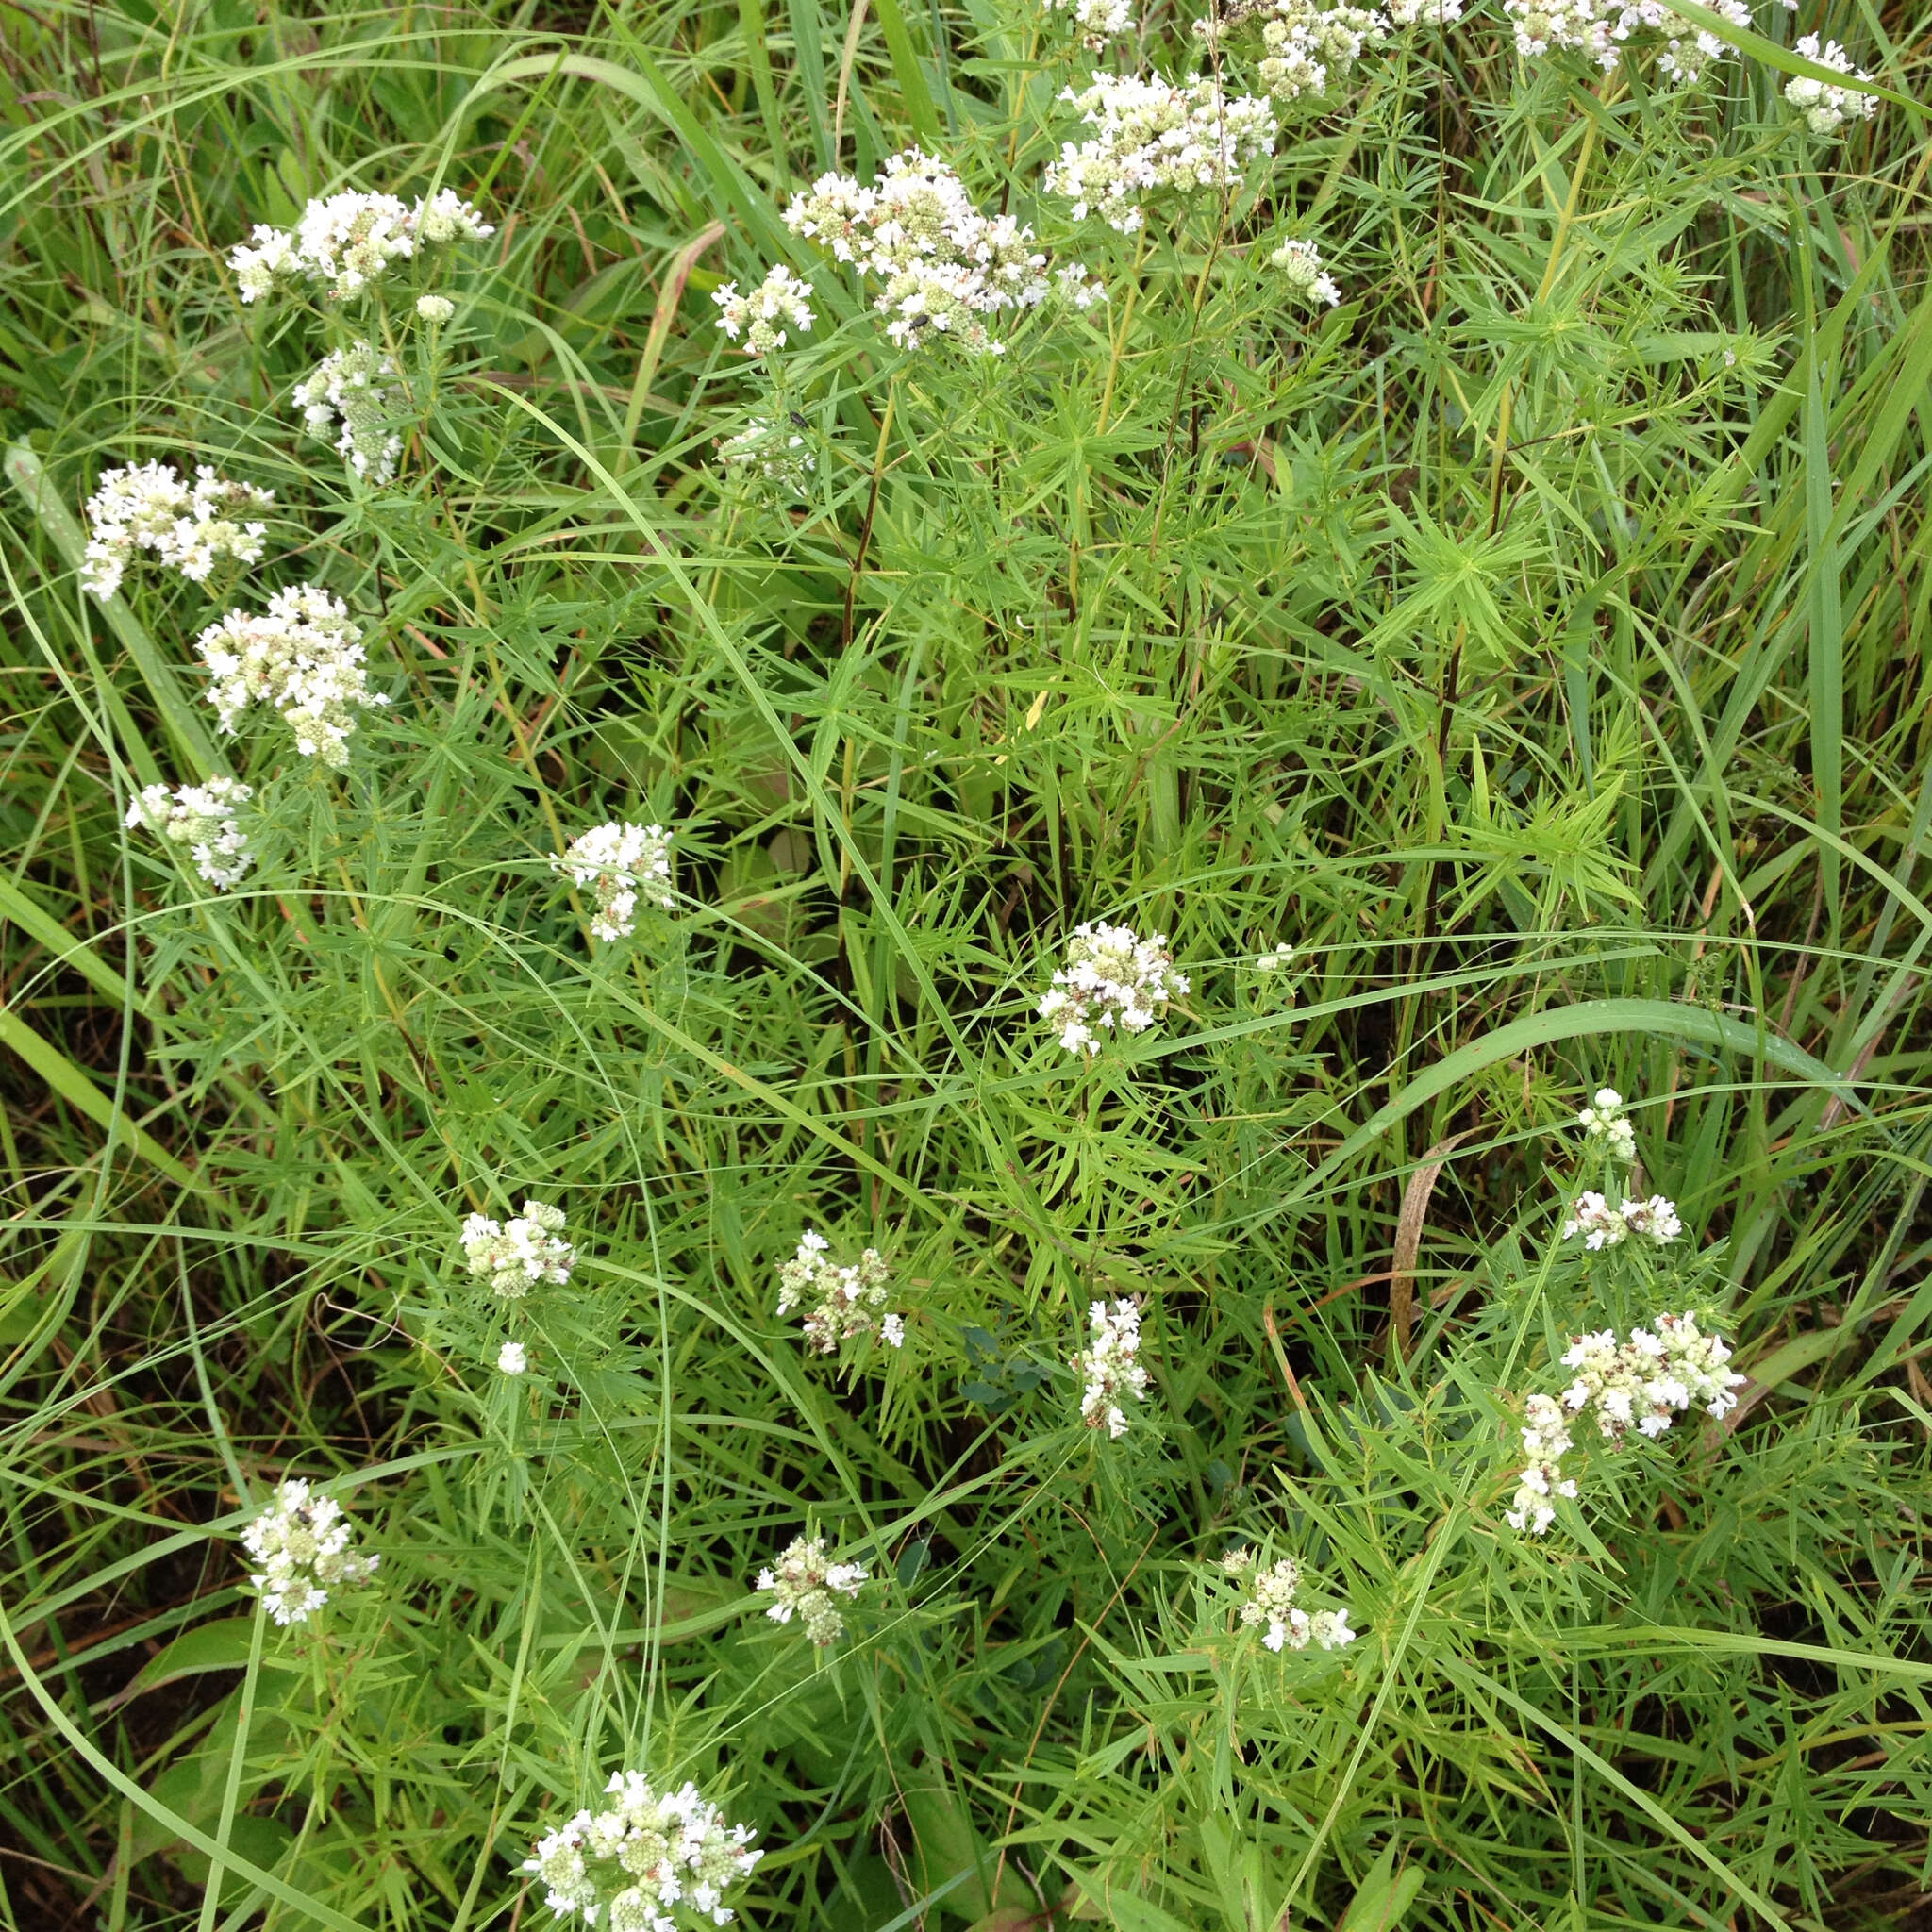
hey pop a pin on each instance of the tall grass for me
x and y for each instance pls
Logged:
(1535, 642)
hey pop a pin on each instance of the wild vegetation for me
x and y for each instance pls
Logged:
(984, 988)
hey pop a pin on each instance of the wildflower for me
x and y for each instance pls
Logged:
(512, 1358)
(1644, 1383)
(519, 1254)
(1100, 22)
(435, 309)
(1439, 12)
(1599, 29)
(350, 388)
(1597, 1221)
(302, 1543)
(1273, 960)
(780, 298)
(1112, 979)
(631, 1864)
(1073, 284)
(1826, 108)
(1110, 1366)
(1655, 1218)
(807, 1586)
(1301, 269)
(349, 242)
(304, 658)
(1603, 1120)
(1154, 135)
(840, 1303)
(185, 526)
(1271, 1602)
(942, 267)
(767, 451)
(206, 820)
(617, 861)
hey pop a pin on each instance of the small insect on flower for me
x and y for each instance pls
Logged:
(516, 1256)
(1109, 1366)
(435, 309)
(619, 862)
(1603, 1120)
(184, 527)
(1113, 981)
(630, 1866)
(1272, 1602)
(205, 819)
(759, 317)
(807, 1584)
(303, 1543)
(841, 1302)
(1826, 108)
(303, 657)
(350, 396)
(512, 1358)
(1301, 269)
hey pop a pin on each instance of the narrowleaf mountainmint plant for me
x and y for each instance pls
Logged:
(348, 244)
(187, 527)
(1272, 1608)
(841, 1301)
(1114, 982)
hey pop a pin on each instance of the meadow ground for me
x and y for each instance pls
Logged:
(1203, 1209)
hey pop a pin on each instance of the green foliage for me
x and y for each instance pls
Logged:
(1534, 641)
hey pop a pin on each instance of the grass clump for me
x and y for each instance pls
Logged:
(964, 967)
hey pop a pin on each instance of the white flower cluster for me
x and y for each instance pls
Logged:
(188, 527)
(1599, 28)
(942, 266)
(1109, 1366)
(512, 1358)
(302, 1543)
(1271, 1602)
(1274, 960)
(1113, 979)
(769, 451)
(1301, 269)
(521, 1253)
(1648, 1381)
(760, 316)
(1826, 108)
(1603, 1225)
(436, 309)
(354, 397)
(1602, 1120)
(1309, 49)
(206, 820)
(635, 1863)
(304, 658)
(617, 861)
(840, 1303)
(1100, 22)
(808, 1585)
(1151, 135)
(349, 242)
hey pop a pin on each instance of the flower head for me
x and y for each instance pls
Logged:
(302, 1543)
(350, 396)
(512, 1358)
(1113, 981)
(1272, 1602)
(349, 242)
(303, 657)
(1109, 1366)
(516, 1256)
(646, 1855)
(1826, 108)
(203, 820)
(1152, 136)
(618, 862)
(762, 316)
(434, 308)
(768, 452)
(1603, 1120)
(184, 527)
(841, 1302)
(1101, 22)
(1301, 269)
(807, 1584)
